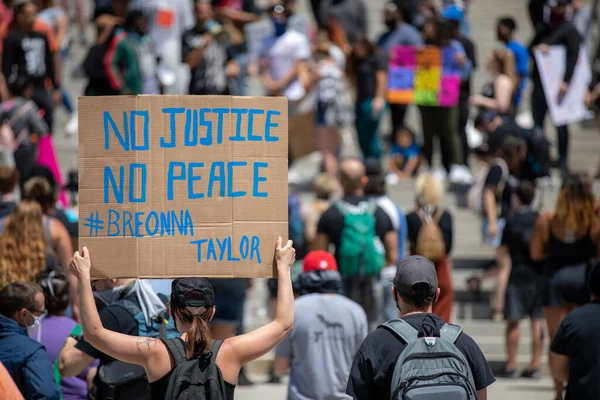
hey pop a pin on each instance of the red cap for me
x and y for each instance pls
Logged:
(319, 261)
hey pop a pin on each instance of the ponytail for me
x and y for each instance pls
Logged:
(198, 338)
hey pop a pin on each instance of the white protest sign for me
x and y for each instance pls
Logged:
(552, 69)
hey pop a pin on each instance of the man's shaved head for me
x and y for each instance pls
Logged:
(352, 175)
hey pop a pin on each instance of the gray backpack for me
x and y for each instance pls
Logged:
(430, 368)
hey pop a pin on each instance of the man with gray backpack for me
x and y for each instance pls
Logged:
(419, 356)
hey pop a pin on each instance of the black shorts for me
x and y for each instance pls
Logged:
(523, 300)
(566, 285)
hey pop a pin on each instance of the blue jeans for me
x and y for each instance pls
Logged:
(367, 127)
(495, 241)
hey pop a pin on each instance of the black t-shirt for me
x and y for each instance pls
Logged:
(577, 338)
(332, 221)
(28, 54)
(414, 223)
(465, 86)
(116, 319)
(373, 366)
(496, 177)
(517, 236)
(208, 78)
(366, 75)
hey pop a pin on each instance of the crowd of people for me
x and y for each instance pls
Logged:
(355, 260)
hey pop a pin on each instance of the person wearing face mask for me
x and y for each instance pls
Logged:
(22, 309)
(284, 59)
(399, 33)
(122, 304)
(56, 328)
(205, 50)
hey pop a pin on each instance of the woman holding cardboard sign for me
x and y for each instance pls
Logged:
(439, 119)
(215, 365)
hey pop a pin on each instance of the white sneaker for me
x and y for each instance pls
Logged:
(392, 179)
(439, 174)
(460, 174)
(72, 126)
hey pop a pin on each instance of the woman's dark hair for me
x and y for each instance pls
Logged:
(351, 65)
(56, 291)
(444, 32)
(198, 338)
(575, 203)
(18, 84)
(371, 48)
(39, 190)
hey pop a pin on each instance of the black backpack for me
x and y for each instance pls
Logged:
(538, 153)
(198, 378)
(118, 380)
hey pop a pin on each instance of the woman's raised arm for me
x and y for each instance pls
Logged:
(131, 349)
(242, 349)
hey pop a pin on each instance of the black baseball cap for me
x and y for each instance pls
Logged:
(193, 292)
(415, 270)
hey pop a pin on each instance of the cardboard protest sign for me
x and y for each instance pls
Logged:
(571, 108)
(426, 76)
(174, 186)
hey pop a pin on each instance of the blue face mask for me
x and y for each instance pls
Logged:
(279, 27)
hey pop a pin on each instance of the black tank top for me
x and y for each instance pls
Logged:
(560, 254)
(489, 91)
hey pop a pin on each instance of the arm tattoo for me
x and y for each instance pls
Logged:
(145, 344)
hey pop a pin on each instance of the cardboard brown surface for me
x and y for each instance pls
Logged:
(182, 231)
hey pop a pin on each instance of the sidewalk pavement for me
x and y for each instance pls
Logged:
(503, 389)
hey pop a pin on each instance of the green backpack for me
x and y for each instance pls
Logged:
(361, 251)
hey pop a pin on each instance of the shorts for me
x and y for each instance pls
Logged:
(567, 285)
(523, 300)
(229, 309)
(496, 241)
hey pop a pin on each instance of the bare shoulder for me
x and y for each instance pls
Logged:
(545, 218)
(158, 358)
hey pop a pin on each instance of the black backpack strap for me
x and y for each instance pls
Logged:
(216, 345)
(450, 332)
(401, 329)
(175, 347)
